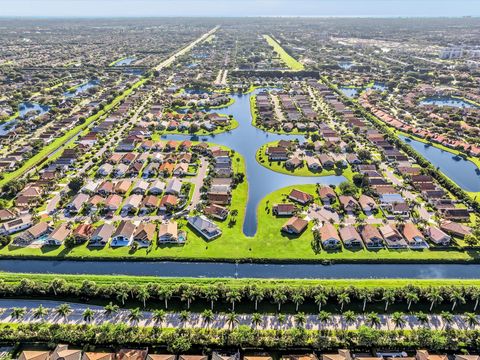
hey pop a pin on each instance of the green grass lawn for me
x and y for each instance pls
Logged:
(233, 125)
(291, 62)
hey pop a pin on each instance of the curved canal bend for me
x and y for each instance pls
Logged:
(243, 270)
(246, 139)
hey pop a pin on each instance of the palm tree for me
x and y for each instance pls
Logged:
(471, 319)
(343, 298)
(321, 299)
(422, 318)
(300, 319)
(122, 293)
(349, 317)
(298, 299)
(324, 317)
(184, 316)
(256, 319)
(143, 295)
(57, 285)
(40, 312)
(88, 315)
(447, 318)
(135, 315)
(434, 297)
(279, 296)
(207, 316)
(474, 293)
(18, 313)
(281, 318)
(373, 319)
(232, 297)
(411, 297)
(398, 319)
(388, 297)
(256, 295)
(110, 309)
(366, 295)
(188, 295)
(232, 319)
(64, 310)
(158, 316)
(165, 293)
(211, 294)
(456, 297)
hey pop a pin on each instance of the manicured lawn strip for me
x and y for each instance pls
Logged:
(59, 142)
(291, 62)
(15, 278)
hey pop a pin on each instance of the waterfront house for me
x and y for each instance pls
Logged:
(300, 196)
(350, 236)
(145, 234)
(414, 237)
(295, 225)
(287, 209)
(329, 236)
(392, 237)
(371, 236)
(82, 233)
(20, 223)
(101, 235)
(204, 227)
(33, 233)
(327, 195)
(437, 236)
(58, 235)
(216, 211)
(123, 235)
(455, 229)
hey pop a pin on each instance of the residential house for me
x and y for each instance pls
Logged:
(62, 352)
(367, 203)
(455, 229)
(371, 237)
(350, 236)
(58, 235)
(33, 233)
(216, 211)
(295, 225)
(349, 203)
(168, 233)
(123, 235)
(329, 236)
(77, 203)
(327, 195)
(284, 209)
(113, 202)
(414, 237)
(437, 236)
(156, 187)
(300, 196)
(82, 233)
(132, 203)
(204, 227)
(174, 187)
(392, 237)
(144, 234)
(20, 223)
(101, 235)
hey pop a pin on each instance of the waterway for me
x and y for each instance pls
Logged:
(246, 139)
(244, 270)
(81, 89)
(463, 172)
(448, 101)
(23, 109)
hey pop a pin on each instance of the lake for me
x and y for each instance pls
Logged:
(246, 139)
(244, 270)
(81, 88)
(23, 109)
(125, 61)
(463, 172)
(448, 101)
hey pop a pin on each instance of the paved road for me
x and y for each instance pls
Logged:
(196, 321)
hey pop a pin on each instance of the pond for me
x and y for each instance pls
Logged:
(449, 101)
(350, 92)
(353, 91)
(463, 172)
(346, 64)
(244, 270)
(125, 61)
(81, 88)
(246, 139)
(24, 109)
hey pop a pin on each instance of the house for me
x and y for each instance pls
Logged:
(58, 235)
(156, 187)
(367, 203)
(62, 352)
(216, 211)
(349, 203)
(293, 163)
(205, 227)
(82, 233)
(18, 224)
(105, 169)
(101, 235)
(161, 357)
(76, 204)
(342, 355)
(122, 186)
(456, 214)
(350, 236)
(132, 203)
(131, 354)
(33, 233)
(295, 225)
(284, 209)
(180, 169)
(300, 196)
(219, 198)
(168, 202)
(98, 356)
(437, 236)
(168, 233)
(455, 229)
(7, 214)
(123, 235)
(149, 202)
(144, 234)
(392, 237)
(414, 237)
(326, 160)
(329, 236)
(327, 195)
(34, 355)
(105, 188)
(371, 237)
(424, 355)
(174, 187)
(140, 187)
(277, 153)
(113, 202)
(120, 170)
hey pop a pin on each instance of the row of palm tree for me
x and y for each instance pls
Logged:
(349, 317)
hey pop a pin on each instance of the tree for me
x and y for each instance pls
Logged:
(298, 299)
(64, 310)
(411, 297)
(232, 319)
(343, 299)
(57, 285)
(422, 318)
(184, 316)
(135, 315)
(447, 318)
(279, 297)
(207, 316)
(349, 317)
(470, 240)
(256, 319)
(456, 297)
(188, 295)
(366, 295)
(40, 312)
(398, 319)
(165, 293)
(388, 297)
(321, 299)
(474, 293)
(300, 319)
(471, 319)
(143, 295)
(232, 297)
(122, 292)
(211, 294)
(434, 297)
(373, 319)
(256, 295)
(281, 318)
(158, 316)
(324, 317)
(88, 315)
(110, 309)
(76, 184)
(18, 313)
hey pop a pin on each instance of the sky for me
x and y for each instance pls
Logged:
(239, 8)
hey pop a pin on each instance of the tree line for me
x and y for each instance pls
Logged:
(224, 293)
